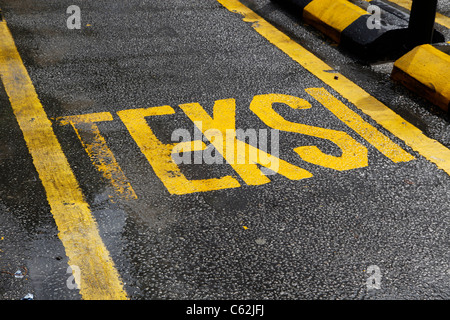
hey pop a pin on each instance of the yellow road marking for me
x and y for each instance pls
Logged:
(431, 149)
(98, 151)
(229, 142)
(242, 157)
(159, 155)
(77, 228)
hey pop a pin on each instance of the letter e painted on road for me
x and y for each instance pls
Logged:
(160, 157)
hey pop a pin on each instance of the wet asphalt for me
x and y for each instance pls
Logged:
(307, 239)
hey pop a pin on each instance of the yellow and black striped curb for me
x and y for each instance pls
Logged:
(348, 25)
(425, 70)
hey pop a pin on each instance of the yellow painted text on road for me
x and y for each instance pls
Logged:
(246, 159)
(159, 155)
(354, 155)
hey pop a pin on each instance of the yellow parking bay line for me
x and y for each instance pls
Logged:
(99, 279)
(430, 149)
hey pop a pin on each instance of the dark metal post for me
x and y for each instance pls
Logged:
(421, 20)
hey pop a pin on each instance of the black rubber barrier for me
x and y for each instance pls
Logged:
(397, 34)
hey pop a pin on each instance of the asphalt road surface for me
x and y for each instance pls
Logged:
(354, 204)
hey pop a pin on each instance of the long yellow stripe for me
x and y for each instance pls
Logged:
(77, 228)
(431, 149)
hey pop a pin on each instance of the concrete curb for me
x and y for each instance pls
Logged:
(347, 24)
(425, 71)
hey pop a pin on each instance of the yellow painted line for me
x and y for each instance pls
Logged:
(430, 149)
(332, 16)
(426, 70)
(77, 228)
(440, 18)
(98, 151)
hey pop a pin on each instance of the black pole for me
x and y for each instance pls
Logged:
(421, 20)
